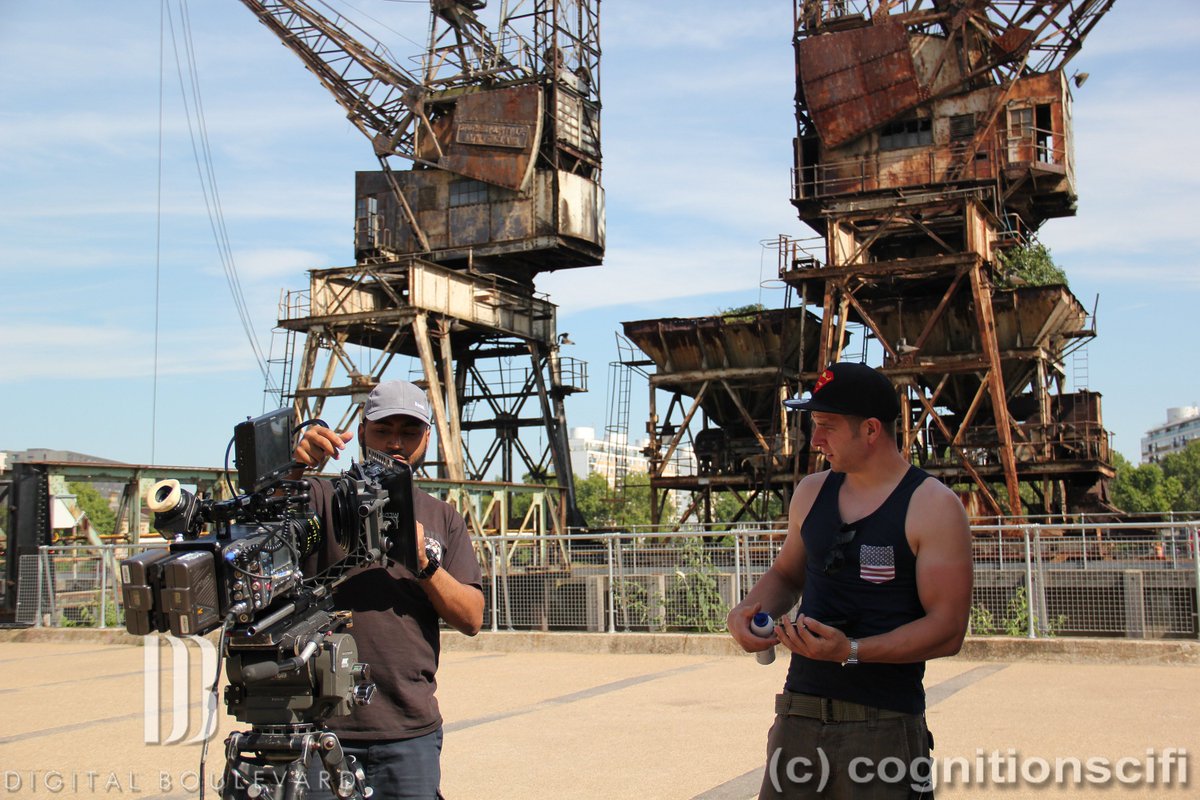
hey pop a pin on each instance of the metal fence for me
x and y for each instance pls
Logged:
(1033, 581)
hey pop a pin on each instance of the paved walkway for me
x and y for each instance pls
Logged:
(614, 725)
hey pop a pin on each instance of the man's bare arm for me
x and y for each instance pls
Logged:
(779, 588)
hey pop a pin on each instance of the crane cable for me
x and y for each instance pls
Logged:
(202, 154)
(157, 234)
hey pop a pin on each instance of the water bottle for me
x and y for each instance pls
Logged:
(762, 625)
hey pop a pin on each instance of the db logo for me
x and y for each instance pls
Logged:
(183, 685)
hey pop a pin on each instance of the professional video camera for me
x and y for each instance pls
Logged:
(239, 564)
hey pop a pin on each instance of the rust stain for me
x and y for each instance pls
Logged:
(494, 136)
(858, 79)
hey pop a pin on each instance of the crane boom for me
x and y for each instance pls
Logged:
(380, 97)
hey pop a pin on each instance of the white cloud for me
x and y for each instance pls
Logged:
(659, 272)
(276, 264)
(37, 350)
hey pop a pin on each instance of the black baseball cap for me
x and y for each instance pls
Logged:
(855, 389)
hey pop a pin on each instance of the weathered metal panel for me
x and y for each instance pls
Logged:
(580, 208)
(495, 136)
(544, 187)
(858, 79)
(927, 57)
(700, 349)
(469, 225)
(1029, 316)
(478, 301)
(499, 219)
(1025, 318)
(860, 166)
(512, 218)
(335, 294)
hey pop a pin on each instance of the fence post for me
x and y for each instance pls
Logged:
(507, 588)
(495, 587)
(37, 620)
(1029, 603)
(1196, 570)
(102, 611)
(612, 586)
(621, 581)
(1043, 612)
(737, 567)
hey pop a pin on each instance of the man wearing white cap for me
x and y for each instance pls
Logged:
(398, 735)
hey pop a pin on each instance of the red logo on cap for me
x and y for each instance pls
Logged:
(825, 378)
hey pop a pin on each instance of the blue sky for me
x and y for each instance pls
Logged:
(697, 130)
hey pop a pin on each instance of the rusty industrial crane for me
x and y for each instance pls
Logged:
(933, 137)
(498, 134)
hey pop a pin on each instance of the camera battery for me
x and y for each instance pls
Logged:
(189, 593)
(141, 581)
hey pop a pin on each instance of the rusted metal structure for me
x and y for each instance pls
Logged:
(501, 135)
(725, 379)
(932, 137)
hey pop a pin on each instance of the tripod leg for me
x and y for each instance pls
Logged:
(346, 778)
(232, 780)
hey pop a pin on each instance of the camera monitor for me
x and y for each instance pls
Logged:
(263, 449)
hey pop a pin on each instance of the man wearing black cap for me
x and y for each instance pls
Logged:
(398, 735)
(878, 555)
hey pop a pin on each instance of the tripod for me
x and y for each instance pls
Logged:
(279, 768)
(286, 700)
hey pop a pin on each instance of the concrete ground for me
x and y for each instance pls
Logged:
(627, 716)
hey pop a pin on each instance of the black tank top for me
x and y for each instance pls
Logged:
(873, 591)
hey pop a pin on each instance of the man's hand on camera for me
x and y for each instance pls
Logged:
(319, 444)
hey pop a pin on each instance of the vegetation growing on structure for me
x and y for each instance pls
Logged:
(1029, 266)
(744, 313)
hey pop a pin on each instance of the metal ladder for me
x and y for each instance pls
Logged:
(282, 365)
(1079, 356)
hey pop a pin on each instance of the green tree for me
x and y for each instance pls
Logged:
(101, 514)
(1184, 468)
(603, 507)
(1143, 488)
(1032, 265)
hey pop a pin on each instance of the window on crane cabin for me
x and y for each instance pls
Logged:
(915, 132)
(1020, 134)
(467, 193)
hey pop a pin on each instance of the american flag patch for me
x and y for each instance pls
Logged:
(876, 564)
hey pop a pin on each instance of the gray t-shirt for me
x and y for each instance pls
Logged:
(395, 628)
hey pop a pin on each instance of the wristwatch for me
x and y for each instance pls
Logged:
(433, 556)
(852, 659)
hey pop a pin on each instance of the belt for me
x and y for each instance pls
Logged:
(827, 709)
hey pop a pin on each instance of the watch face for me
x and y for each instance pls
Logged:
(433, 550)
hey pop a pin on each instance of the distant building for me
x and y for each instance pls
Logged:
(1181, 427)
(614, 455)
(609, 456)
